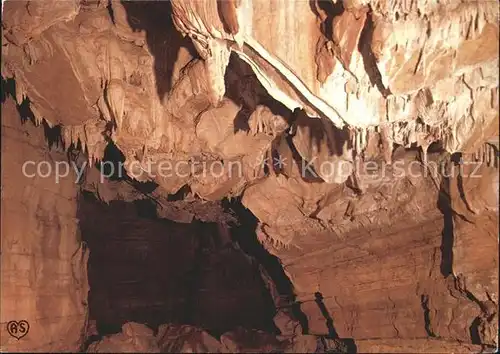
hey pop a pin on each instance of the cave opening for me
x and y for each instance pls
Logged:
(154, 271)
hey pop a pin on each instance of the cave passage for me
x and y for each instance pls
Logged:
(156, 271)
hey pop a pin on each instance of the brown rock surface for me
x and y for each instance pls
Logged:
(414, 346)
(187, 339)
(134, 338)
(250, 341)
(340, 125)
(44, 262)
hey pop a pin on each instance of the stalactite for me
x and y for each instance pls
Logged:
(103, 108)
(37, 115)
(492, 157)
(115, 95)
(20, 92)
(424, 153)
(476, 155)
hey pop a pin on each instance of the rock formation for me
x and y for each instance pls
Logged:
(361, 135)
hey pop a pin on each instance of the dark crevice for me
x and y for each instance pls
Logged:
(52, 134)
(474, 328)
(447, 236)
(25, 111)
(474, 299)
(436, 147)
(332, 9)
(474, 331)
(241, 69)
(112, 167)
(111, 12)
(240, 122)
(460, 182)
(112, 163)
(277, 107)
(8, 88)
(496, 154)
(424, 300)
(244, 234)
(419, 60)
(447, 241)
(348, 343)
(332, 332)
(445, 207)
(318, 129)
(369, 59)
(309, 175)
(182, 193)
(146, 187)
(163, 40)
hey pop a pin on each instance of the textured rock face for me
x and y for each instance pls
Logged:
(362, 63)
(334, 127)
(475, 242)
(187, 339)
(44, 263)
(393, 271)
(134, 338)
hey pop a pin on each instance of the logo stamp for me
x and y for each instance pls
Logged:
(18, 329)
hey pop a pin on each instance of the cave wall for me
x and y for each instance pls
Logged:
(407, 259)
(474, 246)
(43, 263)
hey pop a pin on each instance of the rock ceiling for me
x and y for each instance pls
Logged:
(351, 79)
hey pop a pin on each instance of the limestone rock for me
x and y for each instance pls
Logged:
(414, 346)
(43, 284)
(303, 344)
(249, 341)
(134, 338)
(187, 339)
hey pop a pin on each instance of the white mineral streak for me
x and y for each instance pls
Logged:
(297, 83)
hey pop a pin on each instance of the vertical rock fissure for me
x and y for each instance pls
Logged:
(111, 12)
(424, 299)
(369, 60)
(447, 237)
(447, 244)
(475, 327)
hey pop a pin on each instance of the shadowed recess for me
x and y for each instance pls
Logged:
(244, 235)
(157, 271)
(163, 40)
